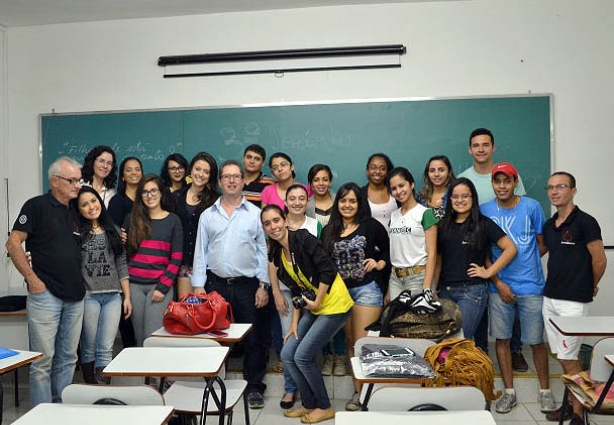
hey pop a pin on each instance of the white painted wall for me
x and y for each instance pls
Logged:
(468, 48)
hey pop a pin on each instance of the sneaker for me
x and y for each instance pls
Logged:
(327, 366)
(340, 368)
(354, 403)
(519, 364)
(546, 400)
(556, 415)
(506, 403)
(255, 400)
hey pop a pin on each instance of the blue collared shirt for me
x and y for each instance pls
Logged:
(230, 246)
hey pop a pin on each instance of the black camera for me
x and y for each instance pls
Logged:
(299, 302)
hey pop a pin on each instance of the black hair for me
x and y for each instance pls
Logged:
(284, 156)
(256, 149)
(165, 177)
(474, 229)
(315, 169)
(385, 157)
(121, 184)
(480, 132)
(427, 189)
(115, 244)
(273, 246)
(87, 172)
(572, 179)
(332, 231)
(405, 174)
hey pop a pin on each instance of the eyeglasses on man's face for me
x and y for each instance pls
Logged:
(560, 186)
(228, 177)
(72, 182)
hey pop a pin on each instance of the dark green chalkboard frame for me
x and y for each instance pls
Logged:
(340, 134)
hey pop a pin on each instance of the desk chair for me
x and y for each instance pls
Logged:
(399, 398)
(600, 371)
(186, 396)
(141, 395)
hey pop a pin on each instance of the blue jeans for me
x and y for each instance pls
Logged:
(286, 321)
(100, 321)
(300, 356)
(471, 300)
(54, 327)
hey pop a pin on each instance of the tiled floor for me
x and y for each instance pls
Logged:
(527, 411)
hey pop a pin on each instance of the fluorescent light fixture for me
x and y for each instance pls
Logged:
(282, 61)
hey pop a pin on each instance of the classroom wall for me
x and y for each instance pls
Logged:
(467, 48)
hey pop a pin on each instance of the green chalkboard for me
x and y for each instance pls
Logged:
(341, 135)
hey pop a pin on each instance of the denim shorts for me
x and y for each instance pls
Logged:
(368, 295)
(529, 311)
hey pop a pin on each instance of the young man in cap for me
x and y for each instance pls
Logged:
(517, 289)
(576, 264)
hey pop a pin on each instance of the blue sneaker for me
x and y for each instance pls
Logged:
(255, 400)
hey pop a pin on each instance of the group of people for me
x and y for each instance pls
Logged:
(309, 268)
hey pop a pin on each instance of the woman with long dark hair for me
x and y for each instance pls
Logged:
(189, 204)
(155, 252)
(173, 172)
(437, 177)
(100, 172)
(320, 206)
(105, 274)
(130, 175)
(359, 247)
(464, 239)
(322, 305)
(380, 203)
(283, 171)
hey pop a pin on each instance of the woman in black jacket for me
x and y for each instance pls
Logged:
(322, 305)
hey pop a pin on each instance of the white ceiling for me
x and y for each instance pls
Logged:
(15, 13)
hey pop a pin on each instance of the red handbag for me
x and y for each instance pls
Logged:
(197, 314)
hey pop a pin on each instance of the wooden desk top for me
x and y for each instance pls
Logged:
(91, 414)
(236, 333)
(584, 326)
(24, 357)
(473, 417)
(165, 361)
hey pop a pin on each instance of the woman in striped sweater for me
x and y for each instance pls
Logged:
(155, 252)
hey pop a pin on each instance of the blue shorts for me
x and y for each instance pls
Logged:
(529, 310)
(368, 295)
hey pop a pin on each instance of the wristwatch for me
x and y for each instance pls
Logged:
(264, 285)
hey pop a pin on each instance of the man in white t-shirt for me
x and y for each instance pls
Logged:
(481, 148)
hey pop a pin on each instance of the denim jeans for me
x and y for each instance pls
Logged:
(471, 300)
(286, 321)
(100, 321)
(300, 356)
(54, 327)
(241, 295)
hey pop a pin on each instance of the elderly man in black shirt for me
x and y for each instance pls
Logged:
(48, 225)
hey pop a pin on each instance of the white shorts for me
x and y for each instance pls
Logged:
(565, 347)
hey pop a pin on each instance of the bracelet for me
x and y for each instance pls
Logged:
(264, 285)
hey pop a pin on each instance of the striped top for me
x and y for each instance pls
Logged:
(253, 190)
(158, 259)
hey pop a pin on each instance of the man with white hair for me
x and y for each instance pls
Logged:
(48, 224)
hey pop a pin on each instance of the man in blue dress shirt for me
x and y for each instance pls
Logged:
(231, 258)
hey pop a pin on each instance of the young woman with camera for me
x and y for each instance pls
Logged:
(322, 305)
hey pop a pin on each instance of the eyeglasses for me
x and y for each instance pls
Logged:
(103, 162)
(175, 169)
(72, 182)
(464, 197)
(282, 164)
(153, 192)
(228, 177)
(561, 186)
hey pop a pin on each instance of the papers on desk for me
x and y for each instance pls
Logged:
(7, 352)
(589, 391)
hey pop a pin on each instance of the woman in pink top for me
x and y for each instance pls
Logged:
(283, 170)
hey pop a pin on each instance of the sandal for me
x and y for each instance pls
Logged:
(277, 367)
(297, 412)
